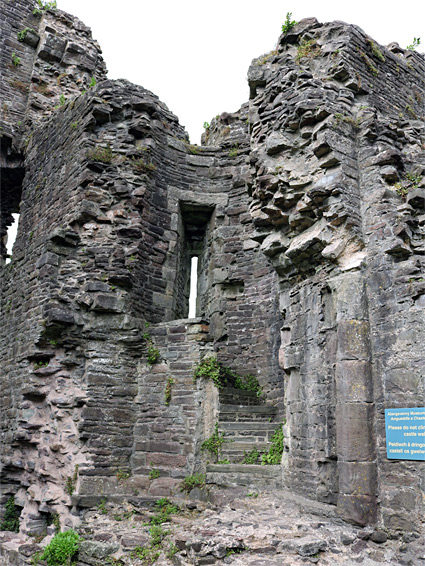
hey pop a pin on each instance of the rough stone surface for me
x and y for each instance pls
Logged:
(306, 211)
(240, 528)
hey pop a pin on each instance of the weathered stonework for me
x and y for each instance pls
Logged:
(311, 270)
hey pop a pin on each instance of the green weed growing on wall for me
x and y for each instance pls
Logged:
(214, 443)
(11, 517)
(60, 550)
(274, 455)
(288, 24)
(43, 6)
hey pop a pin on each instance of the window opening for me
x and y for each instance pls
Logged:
(11, 178)
(190, 285)
(11, 236)
(193, 296)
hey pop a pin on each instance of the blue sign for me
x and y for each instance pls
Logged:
(405, 432)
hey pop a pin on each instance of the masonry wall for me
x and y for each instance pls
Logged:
(94, 271)
(310, 276)
(332, 135)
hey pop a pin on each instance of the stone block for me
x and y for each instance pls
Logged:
(131, 541)
(357, 478)
(47, 258)
(163, 486)
(354, 432)
(353, 340)
(107, 303)
(353, 381)
(357, 509)
(166, 460)
(90, 549)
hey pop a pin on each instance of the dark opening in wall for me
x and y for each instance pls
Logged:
(12, 176)
(194, 229)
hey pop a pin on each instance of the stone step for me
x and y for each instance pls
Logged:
(230, 396)
(254, 432)
(251, 476)
(249, 427)
(238, 413)
(236, 451)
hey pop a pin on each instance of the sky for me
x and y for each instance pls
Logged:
(195, 54)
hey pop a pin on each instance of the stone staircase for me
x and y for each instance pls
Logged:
(246, 423)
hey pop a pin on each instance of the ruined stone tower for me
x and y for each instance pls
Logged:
(306, 212)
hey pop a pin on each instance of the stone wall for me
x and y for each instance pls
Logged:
(310, 271)
(46, 59)
(114, 202)
(331, 135)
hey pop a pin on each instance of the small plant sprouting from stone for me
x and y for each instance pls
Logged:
(43, 6)
(19, 85)
(41, 364)
(193, 148)
(234, 151)
(92, 82)
(235, 550)
(102, 507)
(168, 387)
(210, 368)
(11, 517)
(248, 383)
(154, 474)
(368, 62)
(407, 183)
(214, 443)
(42, 88)
(146, 335)
(355, 122)
(62, 100)
(251, 457)
(16, 60)
(165, 508)
(101, 154)
(376, 51)
(141, 164)
(409, 109)
(223, 376)
(146, 554)
(307, 49)
(264, 58)
(274, 456)
(122, 475)
(61, 549)
(415, 43)
(71, 481)
(23, 34)
(190, 482)
(288, 24)
(150, 553)
(124, 516)
(173, 549)
(153, 355)
(207, 125)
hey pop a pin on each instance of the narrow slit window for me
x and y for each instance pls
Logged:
(193, 296)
